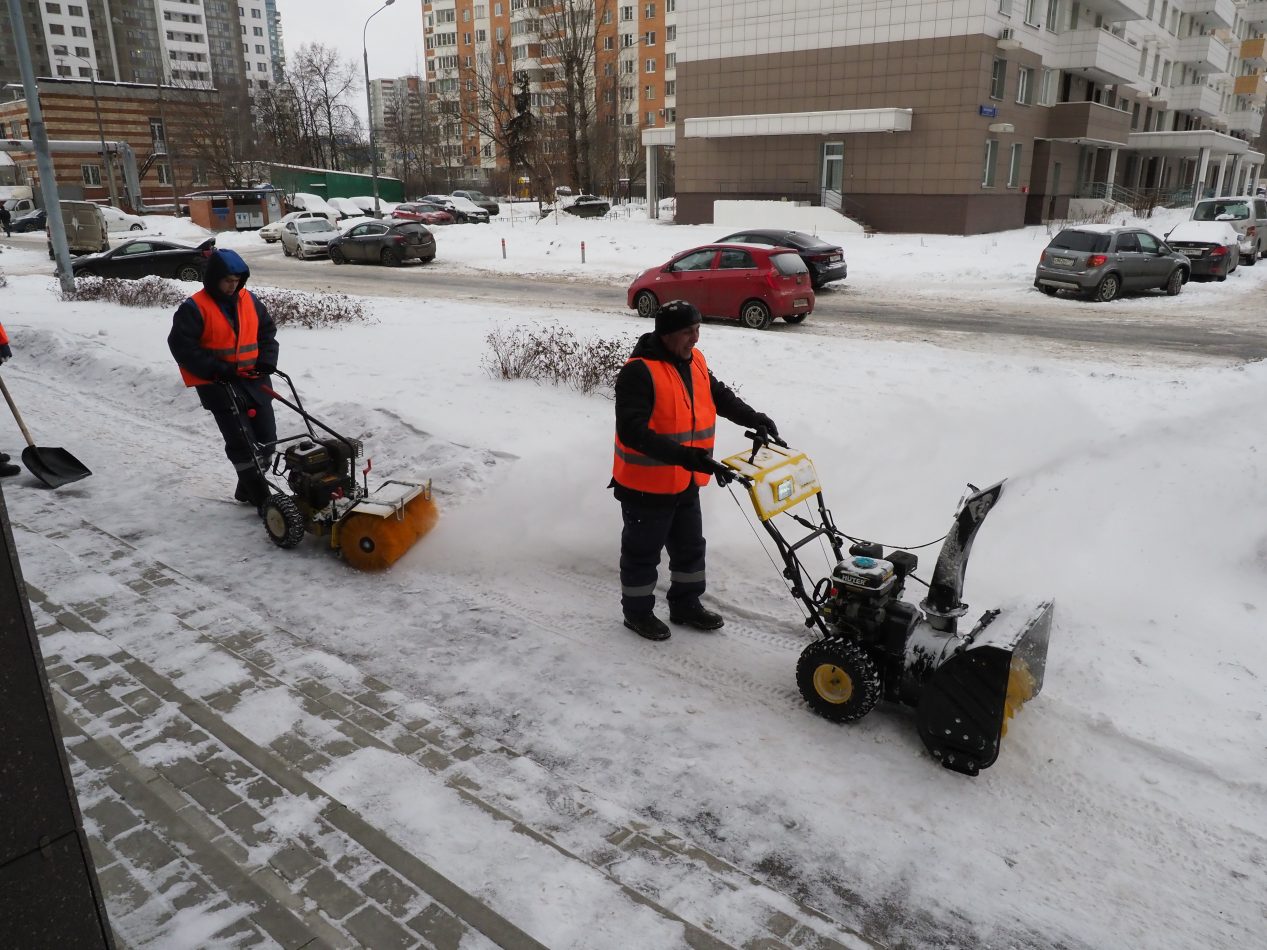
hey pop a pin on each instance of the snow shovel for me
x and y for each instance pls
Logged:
(54, 467)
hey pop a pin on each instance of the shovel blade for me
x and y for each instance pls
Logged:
(54, 467)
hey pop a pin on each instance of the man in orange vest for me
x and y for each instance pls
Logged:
(7, 468)
(667, 404)
(226, 345)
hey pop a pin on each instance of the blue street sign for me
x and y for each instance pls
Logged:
(988, 111)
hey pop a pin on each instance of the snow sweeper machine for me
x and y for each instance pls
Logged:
(963, 684)
(314, 489)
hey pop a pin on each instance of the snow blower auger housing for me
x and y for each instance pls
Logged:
(964, 686)
(323, 496)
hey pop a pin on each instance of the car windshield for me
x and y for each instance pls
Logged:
(798, 239)
(789, 264)
(1211, 210)
(1095, 242)
(312, 224)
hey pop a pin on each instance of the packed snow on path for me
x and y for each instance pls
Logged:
(1128, 807)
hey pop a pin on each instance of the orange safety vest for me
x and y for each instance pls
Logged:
(675, 416)
(4, 337)
(218, 338)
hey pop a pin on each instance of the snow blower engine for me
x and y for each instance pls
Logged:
(875, 645)
(323, 495)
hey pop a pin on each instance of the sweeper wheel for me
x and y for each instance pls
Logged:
(283, 521)
(838, 680)
(370, 542)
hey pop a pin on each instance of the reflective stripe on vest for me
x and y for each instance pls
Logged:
(673, 416)
(218, 338)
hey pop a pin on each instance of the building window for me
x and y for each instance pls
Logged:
(670, 115)
(650, 118)
(670, 87)
(91, 175)
(648, 12)
(1025, 86)
(650, 66)
(991, 154)
(164, 173)
(670, 60)
(626, 40)
(1014, 168)
(53, 8)
(628, 118)
(626, 14)
(81, 31)
(1053, 15)
(670, 6)
(627, 66)
(1047, 87)
(998, 78)
(1031, 11)
(648, 92)
(648, 38)
(57, 29)
(608, 43)
(670, 33)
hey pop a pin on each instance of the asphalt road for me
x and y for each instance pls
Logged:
(839, 310)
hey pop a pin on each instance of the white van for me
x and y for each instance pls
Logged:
(1248, 215)
(86, 228)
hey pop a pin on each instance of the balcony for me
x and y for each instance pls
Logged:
(1213, 13)
(1200, 99)
(1255, 11)
(1255, 87)
(1096, 54)
(1118, 11)
(1205, 54)
(1088, 123)
(1245, 120)
(1254, 52)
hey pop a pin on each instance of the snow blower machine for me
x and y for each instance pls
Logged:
(964, 686)
(323, 496)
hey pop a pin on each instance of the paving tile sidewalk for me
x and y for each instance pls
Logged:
(203, 836)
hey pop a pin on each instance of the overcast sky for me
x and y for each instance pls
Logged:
(394, 38)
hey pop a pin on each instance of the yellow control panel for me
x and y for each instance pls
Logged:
(780, 478)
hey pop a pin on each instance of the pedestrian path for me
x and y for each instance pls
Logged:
(204, 835)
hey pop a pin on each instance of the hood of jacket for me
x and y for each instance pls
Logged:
(221, 264)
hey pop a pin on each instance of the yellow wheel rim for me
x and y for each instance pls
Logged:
(833, 684)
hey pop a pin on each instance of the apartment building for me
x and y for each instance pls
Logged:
(963, 116)
(191, 43)
(631, 76)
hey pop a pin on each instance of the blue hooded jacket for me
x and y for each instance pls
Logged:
(184, 341)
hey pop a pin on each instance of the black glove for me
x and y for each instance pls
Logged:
(265, 369)
(226, 372)
(701, 461)
(6, 352)
(765, 422)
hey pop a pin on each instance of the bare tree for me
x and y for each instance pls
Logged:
(320, 86)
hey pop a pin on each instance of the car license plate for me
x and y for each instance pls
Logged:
(1063, 261)
(800, 302)
(1193, 255)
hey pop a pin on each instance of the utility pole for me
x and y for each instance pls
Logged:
(43, 160)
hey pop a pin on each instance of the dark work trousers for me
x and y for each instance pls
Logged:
(648, 530)
(262, 426)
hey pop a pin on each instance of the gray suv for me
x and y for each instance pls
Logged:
(1102, 262)
(1249, 217)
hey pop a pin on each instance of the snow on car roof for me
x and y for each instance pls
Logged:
(1203, 231)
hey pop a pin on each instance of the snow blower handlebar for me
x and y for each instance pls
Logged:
(354, 447)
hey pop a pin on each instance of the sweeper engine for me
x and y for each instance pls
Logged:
(371, 529)
(876, 645)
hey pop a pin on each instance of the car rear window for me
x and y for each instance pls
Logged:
(1210, 210)
(1096, 242)
(788, 264)
(312, 224)
(413, 230)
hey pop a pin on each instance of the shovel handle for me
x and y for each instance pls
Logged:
(26, 434)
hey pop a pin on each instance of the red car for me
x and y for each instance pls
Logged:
(421, 211)
(746, 282)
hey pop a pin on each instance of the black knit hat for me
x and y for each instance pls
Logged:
(675, 315)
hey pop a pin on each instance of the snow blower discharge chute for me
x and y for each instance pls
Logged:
(323, 495)
(964, 686)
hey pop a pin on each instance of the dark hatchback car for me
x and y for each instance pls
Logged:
(588, 206)
(31, 221)
(146, 258)
(1101, 263)
(826, 262)
(384, 242)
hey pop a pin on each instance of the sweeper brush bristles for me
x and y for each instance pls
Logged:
(371, 542)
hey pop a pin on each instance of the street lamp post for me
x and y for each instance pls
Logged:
(369, 105)
(101, 129)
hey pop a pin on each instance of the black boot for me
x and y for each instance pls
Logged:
(252, 489)
(647, 625)
(7, 468)
(695, 615)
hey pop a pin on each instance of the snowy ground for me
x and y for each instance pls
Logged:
(1129, 805)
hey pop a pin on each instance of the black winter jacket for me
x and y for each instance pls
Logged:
(185, 339)
(635, 401)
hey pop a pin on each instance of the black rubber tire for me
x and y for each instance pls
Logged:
(795, 317)
(755, 315)
(86, 272)
(838, 680)
(646, 304)
(137, 227)
(188, 272)
(1250, 261)
(1221, 278)
(1176, 282)
(389, 257)
(1109, 288)
(427, 260)
(1049, 291)
(283, 521)
(286, 249)
(336, 255)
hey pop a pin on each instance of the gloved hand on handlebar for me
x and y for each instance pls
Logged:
(265, 369)
(226, 372)
(701, 461)
(6, 352)
(765, 422)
